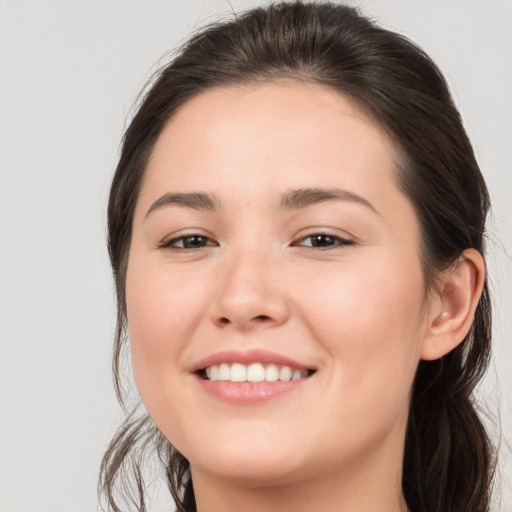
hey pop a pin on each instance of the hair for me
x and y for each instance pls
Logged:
(449, 459)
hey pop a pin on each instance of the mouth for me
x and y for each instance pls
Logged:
(251, 377)
(254, 372)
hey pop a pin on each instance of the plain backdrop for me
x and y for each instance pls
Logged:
(70, 72)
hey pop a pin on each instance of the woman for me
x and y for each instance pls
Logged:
(296, 231)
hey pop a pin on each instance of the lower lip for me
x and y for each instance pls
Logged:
(249, 392)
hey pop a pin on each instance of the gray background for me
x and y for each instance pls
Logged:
(70, 71)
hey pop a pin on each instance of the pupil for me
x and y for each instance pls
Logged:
(193, 242)
(322, 240)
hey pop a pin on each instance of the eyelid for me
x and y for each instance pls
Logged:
(167, 242)
(343, 239)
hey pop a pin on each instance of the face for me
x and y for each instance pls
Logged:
(275, 297)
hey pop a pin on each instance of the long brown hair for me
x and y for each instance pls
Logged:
(449, 459)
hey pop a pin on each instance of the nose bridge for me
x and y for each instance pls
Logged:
(249, 289)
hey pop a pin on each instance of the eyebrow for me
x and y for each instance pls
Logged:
(294, 199)
(194, 200)
(304, 197)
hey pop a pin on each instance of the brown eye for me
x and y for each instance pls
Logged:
(323, 241)
(188, 242)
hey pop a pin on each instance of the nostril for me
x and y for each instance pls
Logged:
(224, 320)
(262, 318)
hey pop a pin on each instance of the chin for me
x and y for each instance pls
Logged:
(249, 462)
(250, 472)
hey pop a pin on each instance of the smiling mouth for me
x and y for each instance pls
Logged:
(255, 372)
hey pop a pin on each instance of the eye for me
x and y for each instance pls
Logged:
(323, 241)
(187, 242)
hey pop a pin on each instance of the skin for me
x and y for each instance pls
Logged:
(356, 311)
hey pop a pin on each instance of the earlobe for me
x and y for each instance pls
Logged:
(457, 298)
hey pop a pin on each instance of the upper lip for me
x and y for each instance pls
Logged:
(247, 357)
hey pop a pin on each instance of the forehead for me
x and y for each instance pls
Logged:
(279, 135)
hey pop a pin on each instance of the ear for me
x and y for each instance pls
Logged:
(453, 305)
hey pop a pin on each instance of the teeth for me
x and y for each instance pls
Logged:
(255, 372)
(271, 373)
(224, 371)
(296, 375)
(285, 373)
(238, 373)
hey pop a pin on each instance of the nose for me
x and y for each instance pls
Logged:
(250, 294)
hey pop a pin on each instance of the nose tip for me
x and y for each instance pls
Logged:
(248, 298)
(248, 314)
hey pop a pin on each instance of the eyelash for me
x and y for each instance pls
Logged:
(336, 240)
(169, 244)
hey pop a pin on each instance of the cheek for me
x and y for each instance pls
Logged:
(367, 302)
(162, 309)
(370, 323)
